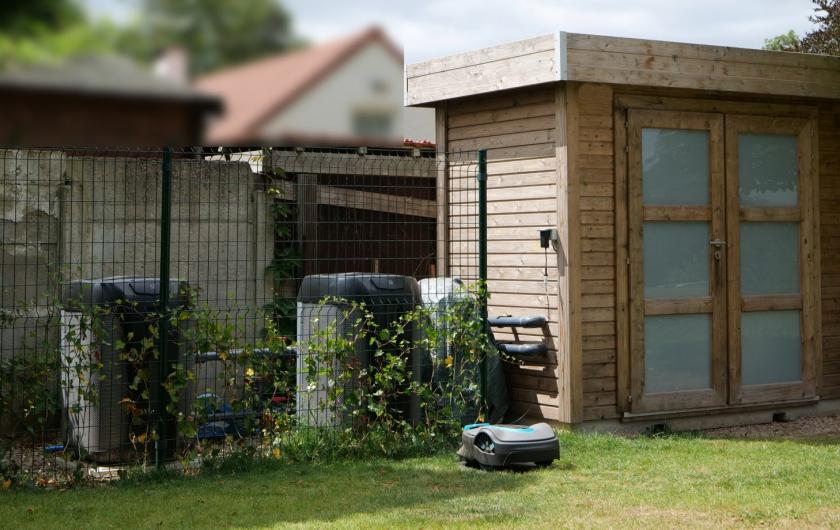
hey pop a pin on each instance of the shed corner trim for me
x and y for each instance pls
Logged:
(561, 57)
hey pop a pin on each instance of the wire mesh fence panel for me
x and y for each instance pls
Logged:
(161, 305)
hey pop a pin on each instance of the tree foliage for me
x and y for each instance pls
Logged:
(24, 18)
(786, 42)
(216, 33)
(825, 39)
(38, 31)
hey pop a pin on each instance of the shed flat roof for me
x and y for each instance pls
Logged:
(591, 58)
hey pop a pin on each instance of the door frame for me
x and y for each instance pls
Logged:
(654, 100)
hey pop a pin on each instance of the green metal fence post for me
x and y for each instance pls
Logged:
(162, 442)
(482, 257)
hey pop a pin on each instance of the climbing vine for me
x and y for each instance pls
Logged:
(287, 261)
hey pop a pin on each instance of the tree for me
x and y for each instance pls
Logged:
(38, 31)
(27, 18)
(825, 39)
(786, 42)
(216, 33)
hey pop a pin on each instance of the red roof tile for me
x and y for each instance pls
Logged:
(256, 91)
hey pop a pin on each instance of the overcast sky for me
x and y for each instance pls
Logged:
(434, 28)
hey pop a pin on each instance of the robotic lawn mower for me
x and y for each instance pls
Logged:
(497, 446)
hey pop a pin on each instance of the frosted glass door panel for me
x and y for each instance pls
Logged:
(676, 259)
(675, 167)
(769, 258)
(767, 170)
(677, 353)
(770, 347)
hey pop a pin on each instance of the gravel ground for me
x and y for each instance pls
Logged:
(41, 468)
(30, 464)
(812, 427)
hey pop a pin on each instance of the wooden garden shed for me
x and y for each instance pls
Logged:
(696, 194)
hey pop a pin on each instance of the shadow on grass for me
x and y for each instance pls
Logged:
(312, 494)
(817, 440)
(821, 439)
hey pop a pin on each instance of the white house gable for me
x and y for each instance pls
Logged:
(363, 97)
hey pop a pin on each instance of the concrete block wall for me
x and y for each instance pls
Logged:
(97, 216)
(30, 234)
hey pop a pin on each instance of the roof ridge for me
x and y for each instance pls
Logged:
(370, 32)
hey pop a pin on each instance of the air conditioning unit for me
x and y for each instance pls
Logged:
(324, 312)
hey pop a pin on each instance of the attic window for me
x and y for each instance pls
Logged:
(373, 123)
(379, 86)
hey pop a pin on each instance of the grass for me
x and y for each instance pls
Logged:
(600, 481)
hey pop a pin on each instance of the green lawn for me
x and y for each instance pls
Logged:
(599, 481)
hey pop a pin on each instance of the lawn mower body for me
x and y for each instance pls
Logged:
(504, 445)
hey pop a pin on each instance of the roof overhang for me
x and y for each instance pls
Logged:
(590, 58)
(206, 103)
(104, 76)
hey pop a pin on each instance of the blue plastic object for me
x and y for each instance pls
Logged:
(212, 431)
(514, 428)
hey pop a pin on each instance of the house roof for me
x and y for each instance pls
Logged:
(256, 91)
(565, 57)
(101, 75)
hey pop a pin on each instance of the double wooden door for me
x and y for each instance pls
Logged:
(721, 270)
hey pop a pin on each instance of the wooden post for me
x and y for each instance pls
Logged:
(442, 248)
(569, 354)
(307, 203)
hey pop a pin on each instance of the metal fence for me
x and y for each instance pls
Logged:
(160, 303)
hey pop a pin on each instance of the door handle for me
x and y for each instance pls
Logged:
(718, 244)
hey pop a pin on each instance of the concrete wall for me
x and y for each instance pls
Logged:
(30, 232)
(90, 217)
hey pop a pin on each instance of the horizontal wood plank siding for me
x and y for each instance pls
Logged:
(518, 130)
(829, 170)
(508, 66)
(695, 66)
